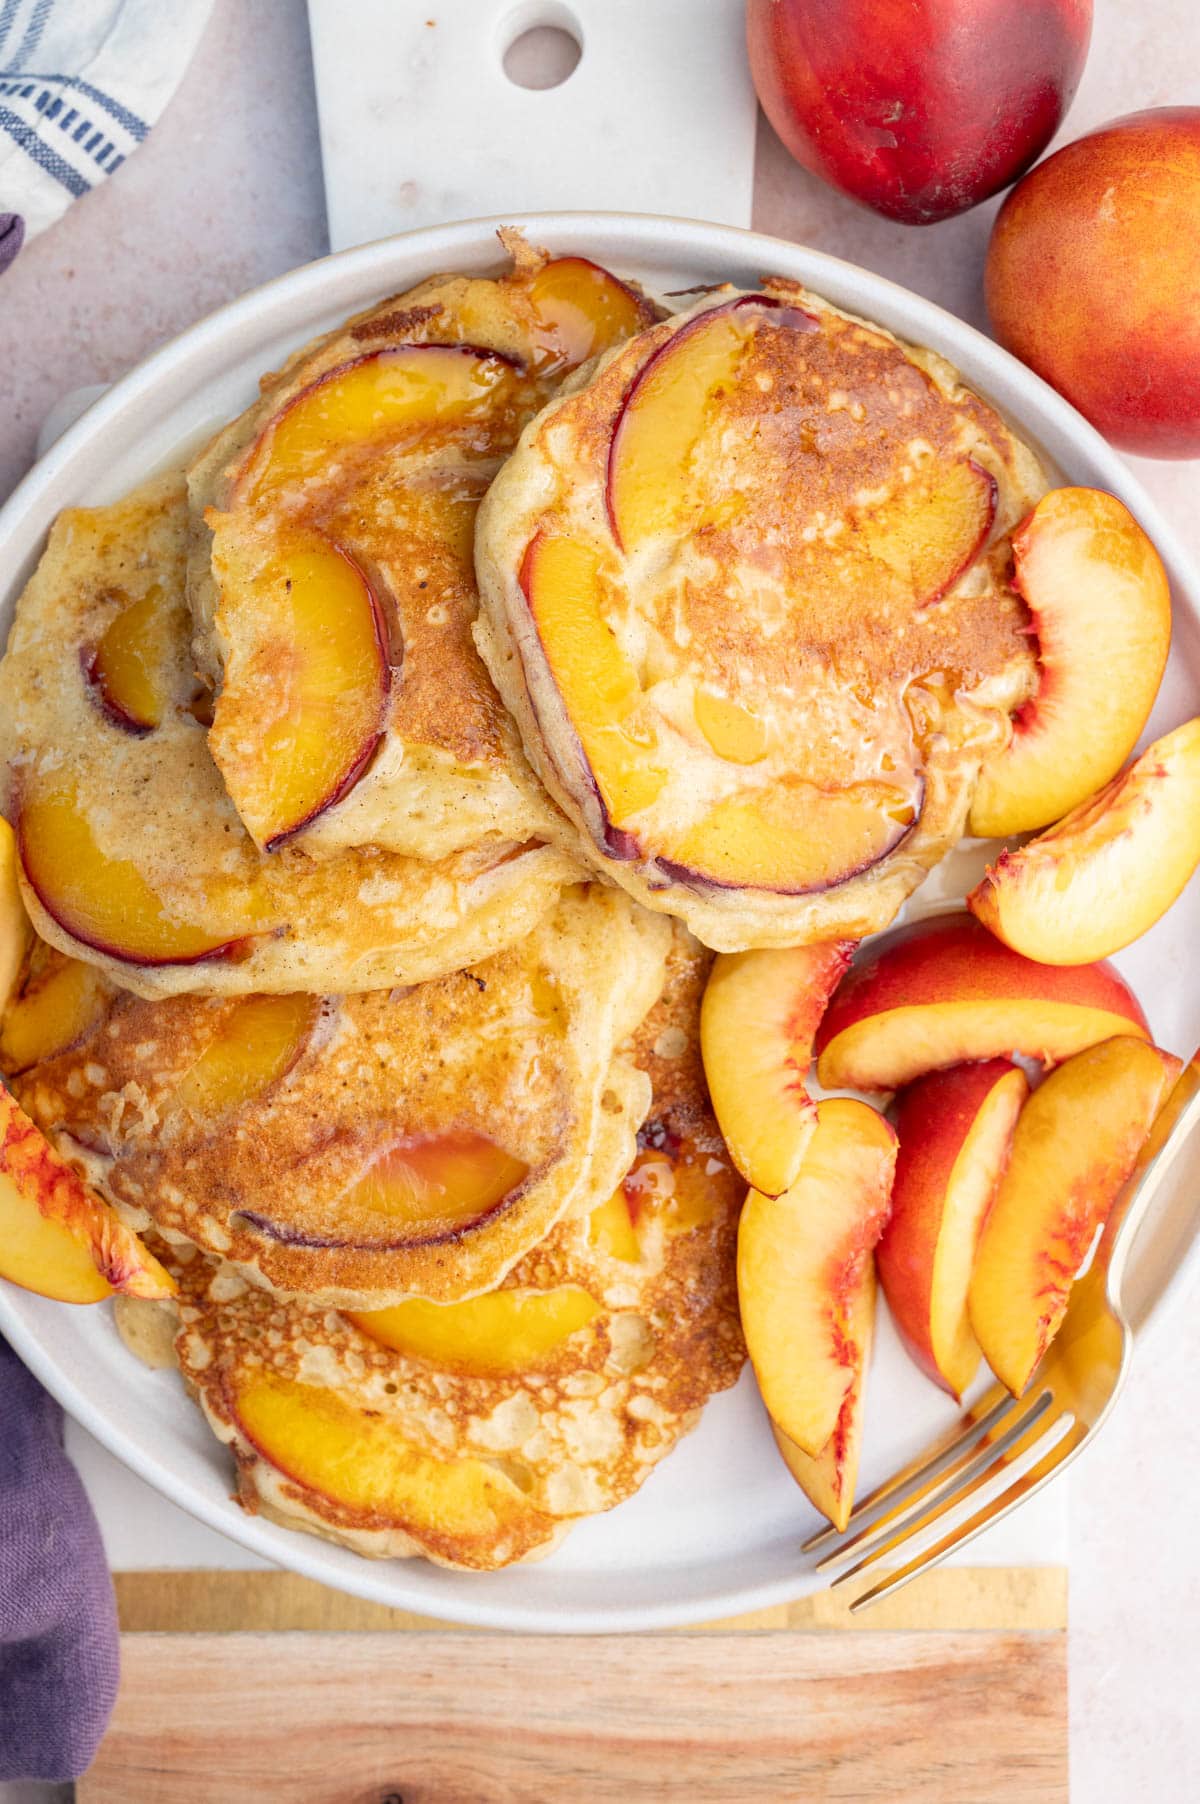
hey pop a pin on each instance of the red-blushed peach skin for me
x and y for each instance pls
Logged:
(33, 1177)
(1093, 278)
(917, 108)
(944, 991)
(955, 1129)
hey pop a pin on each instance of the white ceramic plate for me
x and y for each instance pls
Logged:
(718, 1527)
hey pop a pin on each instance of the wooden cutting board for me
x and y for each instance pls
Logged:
(241, 1686)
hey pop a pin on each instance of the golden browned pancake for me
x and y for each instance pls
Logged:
(358, 473)
(132, 855)
(745, 591)
(364, 1148)
(475, 1434)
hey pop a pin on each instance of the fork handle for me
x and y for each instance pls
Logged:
(1154, 1227)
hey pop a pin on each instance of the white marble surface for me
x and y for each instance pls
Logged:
(226, 193)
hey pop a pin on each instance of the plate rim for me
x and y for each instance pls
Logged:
(467, 244)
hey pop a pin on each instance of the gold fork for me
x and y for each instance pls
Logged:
(1073, 1388)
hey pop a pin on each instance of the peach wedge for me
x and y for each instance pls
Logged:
(581, 310)
(303, 705)
(126, 667)
(57, 1237)
(1101, 609)
(359, 1460)
(101, 901)
(945, 991)
(828, 1479)
(955, 1129)
(500, 1332)
(54, 1008)
(257, 1043)
(760, 1012)
(1075, 1145)
(1106, 873)
(801, 1263)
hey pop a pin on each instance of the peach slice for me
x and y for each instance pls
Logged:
(358, 1459)
(945, 991)
(101, 901)
(52, 1012)
(581, 309)
(1105, 874)
(789, 837)
(931, 533)
(499, 1333)
(57, 1237)
(801, 1260)
(757, 1022)
(15, 930)
(406, 389)
(611, 1230)
(955, 1129)
(667, 408)
(828, 1479)
(257, 1043)
(415, 1194)
(1076, 1143)
(1101, 609)
(126, 668)
(310, 695)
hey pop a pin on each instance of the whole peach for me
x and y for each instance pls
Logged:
(917, 108)
(1093, 278)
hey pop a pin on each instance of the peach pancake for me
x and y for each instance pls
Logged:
(331, 572)
(365, 1148)
(475, 1434)
(745, 588)
(131, 854)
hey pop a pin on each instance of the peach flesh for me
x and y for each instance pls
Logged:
(51, 1013)
(426, 1191)
(1103, 876)
(53, 1228)
(801, 1263)
(100, 901)
(581, 310)
(499, 1333)
(1075, 1145)
(1093, 277)
(955, 1128)
(1100, 602)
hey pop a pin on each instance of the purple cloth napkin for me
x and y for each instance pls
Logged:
(12, 237)
(58, 1616)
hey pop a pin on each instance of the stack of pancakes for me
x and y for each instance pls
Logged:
(366, 842)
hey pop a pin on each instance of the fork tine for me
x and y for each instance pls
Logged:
(1021, 1488)
(987, 1465)
(971, 1426)
(1002, 1422)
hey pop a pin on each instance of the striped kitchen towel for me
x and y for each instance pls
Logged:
(81, 83)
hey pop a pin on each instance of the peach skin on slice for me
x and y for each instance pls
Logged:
(102, 901)
(57, 1237)
(15, 931)
(257, 1043)
(406, 389)
(757, 1022)
(955, 1129)
(801, 1259)
(1101, 609)
(945, 991)
(126, 667)
(828, 1478)
(1076, 1143)
(501, 1332)
(303, 707)
(581, 309)
(1105, 874)
(52, 1012)
(358, 1459)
